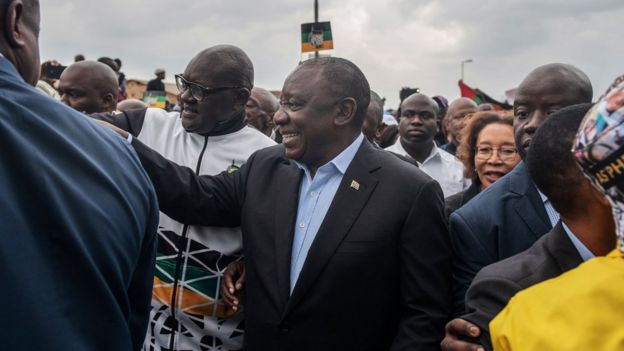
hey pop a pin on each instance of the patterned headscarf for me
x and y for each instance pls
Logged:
(599, 149)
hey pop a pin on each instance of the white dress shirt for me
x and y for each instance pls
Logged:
(441, 166)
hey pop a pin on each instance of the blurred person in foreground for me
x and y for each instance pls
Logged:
(89, 87)
(454, 120)
(417, 128)
(323, 215)
(78, 214)
(209, 136)
(488, 152)
(259, 111)
(582, 309)
(511, 214)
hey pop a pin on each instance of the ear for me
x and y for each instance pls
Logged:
(346, 112)
(240, 99)
(110, 100)
(14, 24)
(378, 133)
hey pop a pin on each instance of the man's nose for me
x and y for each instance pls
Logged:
(416, 120)
(536, 120)
(280, 117)
(186, 95)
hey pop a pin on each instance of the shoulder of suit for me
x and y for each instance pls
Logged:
(276, 151)
(526, 268)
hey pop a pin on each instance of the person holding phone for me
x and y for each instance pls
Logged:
(50, 73)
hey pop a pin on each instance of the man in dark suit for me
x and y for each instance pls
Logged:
(585, 229)
(510, 215)
(78, 214)
(346, 246)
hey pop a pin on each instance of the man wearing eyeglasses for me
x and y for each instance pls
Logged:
(209, 136)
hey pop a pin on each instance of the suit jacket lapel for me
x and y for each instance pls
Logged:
(343, 211)
(288, 180)
(529, 207)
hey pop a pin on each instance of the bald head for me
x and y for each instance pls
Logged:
(462, 103)
(456, 115)
(227, 68)
(555, 77)
(223, 65)
(260, 109)
(266, 99)
(421, 99)
(131, 104)
(90, 87)
(545, 90)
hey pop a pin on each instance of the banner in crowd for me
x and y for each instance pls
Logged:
(316, 36)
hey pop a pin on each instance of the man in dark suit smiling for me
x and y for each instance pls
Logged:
(346, 245)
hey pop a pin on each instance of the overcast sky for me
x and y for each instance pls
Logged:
(417, 43)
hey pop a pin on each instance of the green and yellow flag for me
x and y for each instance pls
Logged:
(316, 36)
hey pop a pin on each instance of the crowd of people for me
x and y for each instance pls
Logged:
(310, 219)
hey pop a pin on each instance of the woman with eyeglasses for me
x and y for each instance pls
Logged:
(488, 152)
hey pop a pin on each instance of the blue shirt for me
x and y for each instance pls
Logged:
(553, 215)
(315, 196)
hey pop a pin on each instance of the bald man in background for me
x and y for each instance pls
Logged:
(374, 116)
(89, 87)
(454, 121)
(259, 111)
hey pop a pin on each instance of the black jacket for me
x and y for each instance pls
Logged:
(496, 284)
(377, 276)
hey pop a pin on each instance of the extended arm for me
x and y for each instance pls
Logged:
(192, 199)
(131, 121)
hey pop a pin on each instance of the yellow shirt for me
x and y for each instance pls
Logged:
(583, 309)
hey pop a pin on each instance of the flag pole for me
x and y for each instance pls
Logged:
(316, 54)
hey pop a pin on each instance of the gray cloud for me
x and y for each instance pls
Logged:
(395, 42)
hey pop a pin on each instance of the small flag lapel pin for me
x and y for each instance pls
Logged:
(355, 185)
